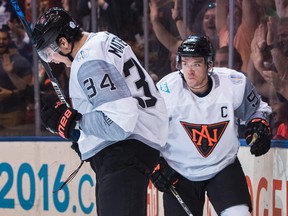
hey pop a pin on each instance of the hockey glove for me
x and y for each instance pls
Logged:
(59, 118)
(164, 176)
(258, 136)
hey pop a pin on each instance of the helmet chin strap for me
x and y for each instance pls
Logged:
(68, 55)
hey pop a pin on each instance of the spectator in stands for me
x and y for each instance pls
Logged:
(15, 79)
(83, 9)
(66, 4)
(165, 37)
(208, 23)
(113, 15)
(42, 6)
(280, 85)
(161, 13)
(269, 70)
(194, 10)
(28, 10)
(222, 58)
(21, 40)
(267, 4)
(281, 8)
(266, 8)
(245, 22)
(279, 118)
(170, 41)
(269, 55)
(198, 8)
(208, 26)
(7, 13)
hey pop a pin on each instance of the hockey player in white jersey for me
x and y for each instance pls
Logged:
(118, 117)
(203, 103)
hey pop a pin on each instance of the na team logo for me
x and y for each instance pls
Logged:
(205, 137)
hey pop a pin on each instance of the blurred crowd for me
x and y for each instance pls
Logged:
(259, 47)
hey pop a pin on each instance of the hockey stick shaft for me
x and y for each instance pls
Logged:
(254, 138)
(46, 66)
(179, 199)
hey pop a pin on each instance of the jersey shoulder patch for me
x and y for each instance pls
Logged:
(168, 82)
(235, 77)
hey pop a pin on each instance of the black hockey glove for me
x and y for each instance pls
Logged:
(164, 176)
(258, 136)
(58, 118)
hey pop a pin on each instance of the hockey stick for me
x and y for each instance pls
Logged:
(179, 199)
(255, 137)
(46, 66)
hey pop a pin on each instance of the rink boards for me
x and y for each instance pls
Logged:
(32, 168)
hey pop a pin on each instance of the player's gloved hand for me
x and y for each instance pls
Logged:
(164, 176)
(258, 136)
(59, 118)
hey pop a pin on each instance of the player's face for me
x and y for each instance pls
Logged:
(52, 54)
(58, 58)
(48, 52)
(195, 72)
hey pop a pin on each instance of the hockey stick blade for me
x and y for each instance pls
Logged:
(179, 199)
(46, 66)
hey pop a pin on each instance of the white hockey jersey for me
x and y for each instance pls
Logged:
(203, 138)
(115, 95)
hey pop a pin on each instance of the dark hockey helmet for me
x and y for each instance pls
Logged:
(195, 46)
(51, 25)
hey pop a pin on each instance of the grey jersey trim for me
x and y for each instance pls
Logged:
(98, 124)
(249, 108)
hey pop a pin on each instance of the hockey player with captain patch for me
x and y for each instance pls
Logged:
(200, 155)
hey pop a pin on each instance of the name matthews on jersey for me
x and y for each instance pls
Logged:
(117, 46)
